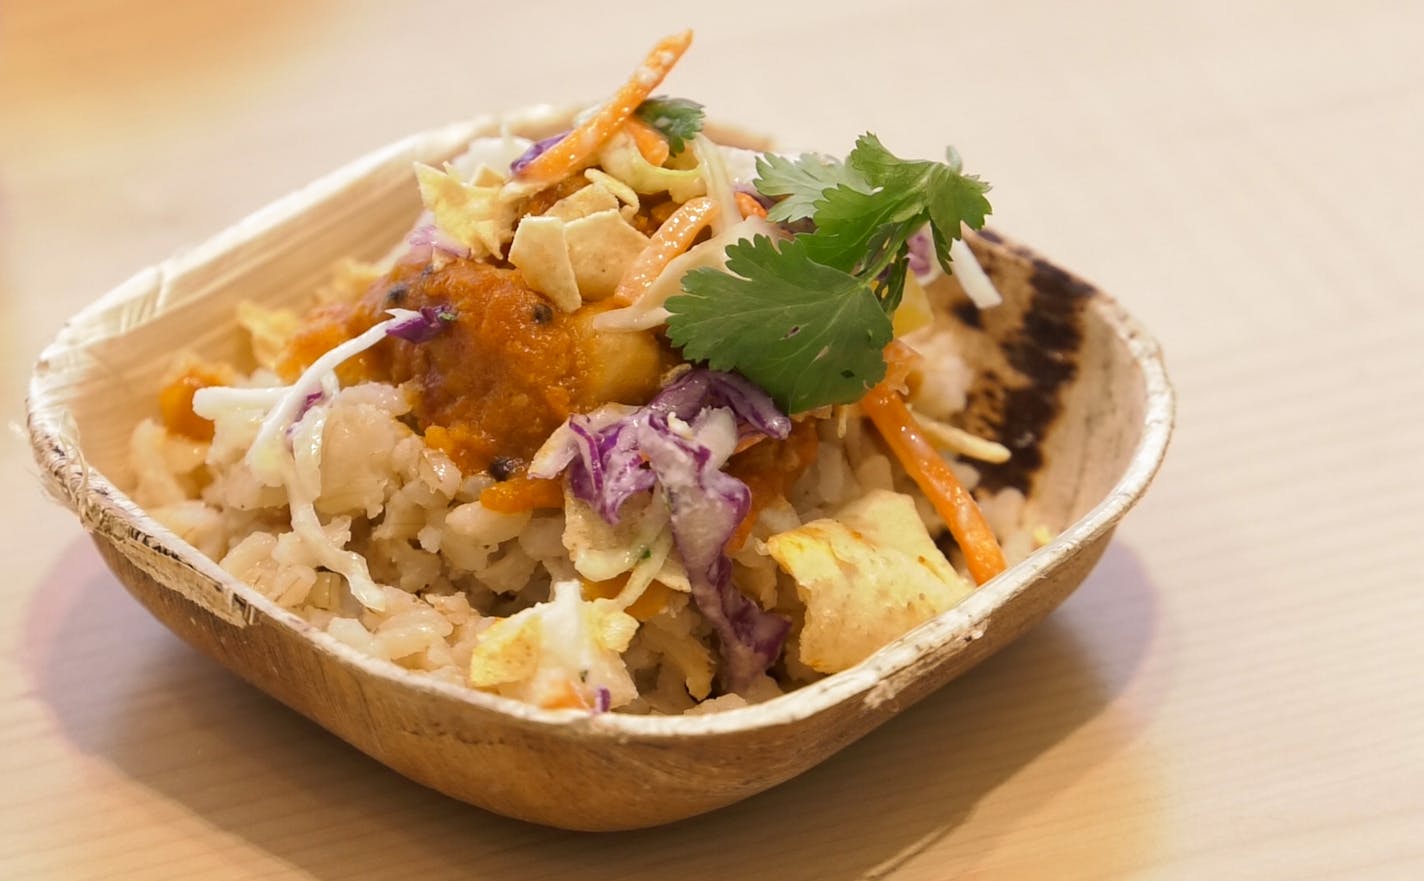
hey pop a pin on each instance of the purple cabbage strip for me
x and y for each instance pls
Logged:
(602, 700)
(423, 326)
(535, 150)
(425, 239)
(705, 506)
(308, 402)
(615, 461)
(609, 469)
(921, 253)
(697, 390)
(311, 400)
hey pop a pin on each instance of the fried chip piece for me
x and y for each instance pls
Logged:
(582, 202)
(508, 651)
(541, 253)
(472, 213)
(270, 330)
(562, 654)
(867, 576)
(601, 248)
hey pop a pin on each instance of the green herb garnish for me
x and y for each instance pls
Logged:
(677, 119)
(807, 321)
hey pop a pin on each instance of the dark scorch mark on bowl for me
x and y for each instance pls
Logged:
(1044, 350)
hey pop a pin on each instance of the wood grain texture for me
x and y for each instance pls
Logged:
(1233, 693)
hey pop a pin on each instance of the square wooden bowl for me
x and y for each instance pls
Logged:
(1067, 379)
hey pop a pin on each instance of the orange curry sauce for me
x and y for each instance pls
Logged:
(506, 371)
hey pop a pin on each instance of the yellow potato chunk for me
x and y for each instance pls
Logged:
(624, 367)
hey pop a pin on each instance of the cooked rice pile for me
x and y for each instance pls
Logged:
(450, 569)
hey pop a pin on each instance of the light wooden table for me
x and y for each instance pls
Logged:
(1236, 692)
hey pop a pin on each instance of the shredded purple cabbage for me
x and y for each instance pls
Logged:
(679, 442)
(705, 506)
(609, 468)
(602, 700)
(424, 325)
(922, 253)
(311, 400)
(425, 239)
(308, 402)
(697, 390)
(535, 150)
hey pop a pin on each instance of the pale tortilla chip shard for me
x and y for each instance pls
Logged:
(622, 191)
(471, 214)
(541, 253)
(867, 576)
(613, 628)
(269, 330)
(691, 658)
(583, 202)
(555, 650)
(601, 248)
(508, 651)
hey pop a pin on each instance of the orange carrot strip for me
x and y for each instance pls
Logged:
(648, 140)
(564, 697)
(749, 206)
(570, 153)
(522, 493)
(652, 601)
(671, 239)
(932, 474)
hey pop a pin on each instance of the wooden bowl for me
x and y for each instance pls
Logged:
(1070, 381)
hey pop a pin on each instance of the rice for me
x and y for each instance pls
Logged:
(449, 567)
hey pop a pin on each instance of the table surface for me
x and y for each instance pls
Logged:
(1234, 692)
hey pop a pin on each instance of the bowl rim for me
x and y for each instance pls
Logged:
(105, 509)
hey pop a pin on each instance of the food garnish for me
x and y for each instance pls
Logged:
(806, 320)
(677, 119)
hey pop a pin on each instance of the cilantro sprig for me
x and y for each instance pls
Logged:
(807, 320)
(677, 119)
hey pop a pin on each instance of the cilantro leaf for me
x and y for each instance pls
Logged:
(802, 181)
(807, 333)
(677, 119)
(806, 320)
(947, 198)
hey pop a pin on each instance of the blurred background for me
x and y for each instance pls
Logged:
(1232, 694)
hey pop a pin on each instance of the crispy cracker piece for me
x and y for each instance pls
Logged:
(583, 202)
(541, 252)
(601, 248)
(867, 576)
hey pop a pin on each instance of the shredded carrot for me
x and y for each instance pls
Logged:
(929, 470)
(569, 154)
(648, 140)
(652, 601)
(522, 493)
(563, 697)
(672, 238)
(749, 206)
